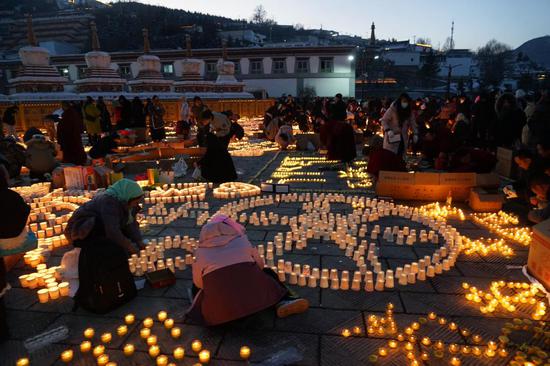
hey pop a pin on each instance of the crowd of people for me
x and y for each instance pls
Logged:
(456, 134)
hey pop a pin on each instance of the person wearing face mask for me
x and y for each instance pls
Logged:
(397, 123)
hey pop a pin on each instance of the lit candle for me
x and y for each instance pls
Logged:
(392, 343)
(128, 349)
(148, 322)
(346, 333)
(152, 340)
(129, 319)
(85, 346)
(204, 356)
(98, 350)
(89, 333)
(106, 337)
(357, 330)
(162, 315)
(122, 330)
(102, 360)
(175, 332)
(455, 361)
(245, 352)
(154, 351)
(179, 353)
(43, 295)
(169, 323)
(162, 360)
(196, 346)
(22, 362)
(67, 356)
(63, 289)
(144, 333)
(382, 351)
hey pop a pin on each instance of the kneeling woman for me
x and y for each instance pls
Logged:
(231, 279)
(111, 215)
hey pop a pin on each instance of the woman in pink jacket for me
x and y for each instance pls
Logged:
(231, 280)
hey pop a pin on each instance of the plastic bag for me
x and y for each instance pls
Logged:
(69, 264)
(180, 168)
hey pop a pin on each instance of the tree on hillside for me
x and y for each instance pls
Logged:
(429, 70)
(448, 45)
(260, 17)
(493, 63)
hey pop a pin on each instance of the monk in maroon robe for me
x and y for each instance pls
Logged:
(69, 131)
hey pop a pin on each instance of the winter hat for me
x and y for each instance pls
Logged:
(125, 190)
(520, 94)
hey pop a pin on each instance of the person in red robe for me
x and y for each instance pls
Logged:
(69, 137)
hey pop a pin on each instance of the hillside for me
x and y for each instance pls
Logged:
(538, 50)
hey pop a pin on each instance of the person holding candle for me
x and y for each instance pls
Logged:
(111, 215)
(230, 279)
(14, 236)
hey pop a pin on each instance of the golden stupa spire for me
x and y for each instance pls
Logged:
(95, 38)
(188, 49)
(30, 32)
(146, 44)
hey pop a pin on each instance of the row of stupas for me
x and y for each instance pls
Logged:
(38, 76)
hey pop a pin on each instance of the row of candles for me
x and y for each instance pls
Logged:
(251, 148)
(291, 169)
(356, 175)
(518, 293)
(499, 223)
(46, 281)
(151, 340)
(159, 214)
(177, 193)
(235, 190)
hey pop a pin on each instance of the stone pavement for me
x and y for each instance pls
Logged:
(314, 335)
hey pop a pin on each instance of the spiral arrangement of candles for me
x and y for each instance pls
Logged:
(159, 214)
(177, 193)
(508, 296)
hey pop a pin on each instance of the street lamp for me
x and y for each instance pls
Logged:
(351, 58)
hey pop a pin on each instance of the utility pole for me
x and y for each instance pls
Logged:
(452, 45)
(449, 75)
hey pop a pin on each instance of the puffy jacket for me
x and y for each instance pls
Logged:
(222, 245)
(40, 155)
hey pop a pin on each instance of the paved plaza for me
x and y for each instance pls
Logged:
(313, 337)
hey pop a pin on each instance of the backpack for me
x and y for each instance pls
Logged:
(105, 280)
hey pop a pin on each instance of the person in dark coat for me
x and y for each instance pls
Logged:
(105, 116)
(385, 160)
(9, 119)
(105, 146)
(40, 156)
(14, 153)
(138, 113)
(14, 237)
(156, 112)
(69, 137)
(539, 123)
(483, 116)
(125, 113)
(510, 121)
(216, 165)
(338, 135)
(111, 214)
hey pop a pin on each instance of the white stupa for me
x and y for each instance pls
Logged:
(149, 78)
(100, 74)
(226, 81)
(36, 74)
(191, 79)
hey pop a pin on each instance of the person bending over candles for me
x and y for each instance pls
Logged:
(110, 215)
(14, 236)
(230, 279)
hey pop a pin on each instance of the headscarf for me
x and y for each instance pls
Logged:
(125, 190)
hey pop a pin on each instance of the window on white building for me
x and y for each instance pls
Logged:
(211, 67)
(63, 70)
(168, 68)
(125, 71)
(302, 65)
(279, 66)
(82, 72)
(256, 66)
(327, 64)
(237, 66)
